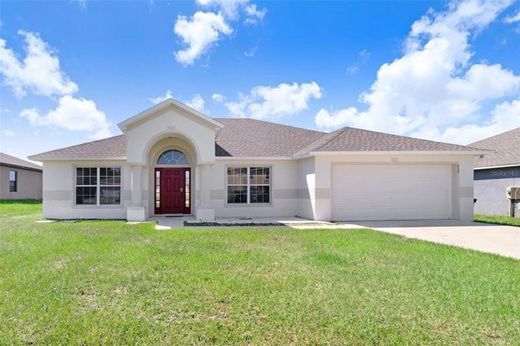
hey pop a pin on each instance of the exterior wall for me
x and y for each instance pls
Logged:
(490, 189)
(462, 189)
(59, 191)
(171, 128)
(284, 190)
(29, 184)
(306, 188)
(170, 123)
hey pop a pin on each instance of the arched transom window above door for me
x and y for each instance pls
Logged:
(172, 157)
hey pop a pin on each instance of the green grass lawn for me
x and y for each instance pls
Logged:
(498, 219)
(109, 282)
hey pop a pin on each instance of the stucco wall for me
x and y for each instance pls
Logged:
(490, 189)
(298, 187)
(59, 191)
(29, 184)
(284, 190)
(462, 178)
(306, 192)
(142, 136)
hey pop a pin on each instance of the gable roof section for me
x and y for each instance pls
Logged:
(11, 161)
(507, 147)
(350, 139)
(112, 148)
(163, 105)
(241, 137)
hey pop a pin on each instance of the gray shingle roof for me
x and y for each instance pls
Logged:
(112, 147)
(8, 160)
(256, 138)
(250, 137)
(352, 139)
(507, 146)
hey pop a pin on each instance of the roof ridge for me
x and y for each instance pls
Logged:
(339, 132)
(270, 122)
(325, 134)
(410, 137)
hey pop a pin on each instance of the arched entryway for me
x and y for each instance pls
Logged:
(172, 172)
(172, 183)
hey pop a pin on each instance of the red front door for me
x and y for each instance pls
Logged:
(172, 191)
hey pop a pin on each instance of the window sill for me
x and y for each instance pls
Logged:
(93, 206)
(248, 205)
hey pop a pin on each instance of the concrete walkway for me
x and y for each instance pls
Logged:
(495, 239)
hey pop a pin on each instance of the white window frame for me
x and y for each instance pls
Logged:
(15, 180)
(98, 186)
(248, 185)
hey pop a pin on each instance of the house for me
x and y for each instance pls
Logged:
(495, 172)
(19, 179)
(173, 160)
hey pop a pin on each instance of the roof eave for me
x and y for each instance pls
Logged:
(43, 159)
(169, 102)
(408, 152)
(257, 158)
(498, 166)
(4, 164)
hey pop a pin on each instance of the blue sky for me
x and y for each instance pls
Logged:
(71, 70)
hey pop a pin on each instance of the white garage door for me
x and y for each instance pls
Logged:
(391, 192)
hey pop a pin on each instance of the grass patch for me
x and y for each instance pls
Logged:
(108, 282)
(498, 219)
(13, 207)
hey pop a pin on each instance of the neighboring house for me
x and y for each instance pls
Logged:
(495, 172)
(19, 179)
(172, 159)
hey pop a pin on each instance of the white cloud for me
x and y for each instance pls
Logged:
(513, 19)
(199, 33)
(159, 99)
(206, 27)
(74, 114)
(8, 133)
(254, 14)
(39, 72)
(504, 117)
(197, 102)
(264, 102)
(433, 86)
(218, 97)
(230, 8)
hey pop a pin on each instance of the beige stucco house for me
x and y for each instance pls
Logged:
(19, 179)
(172, 159)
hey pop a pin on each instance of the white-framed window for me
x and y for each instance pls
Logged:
(98, 185)
(248, 185)
(13, 181)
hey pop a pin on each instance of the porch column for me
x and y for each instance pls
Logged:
(465, 190)
(136, 210)
(137, 186)
(204, 211)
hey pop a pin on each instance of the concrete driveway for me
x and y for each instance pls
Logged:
(495, 239)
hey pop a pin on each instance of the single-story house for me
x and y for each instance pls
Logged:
(495, 172)
(174, 160)
(19, 179)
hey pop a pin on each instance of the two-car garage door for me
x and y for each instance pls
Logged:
(391, 192)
